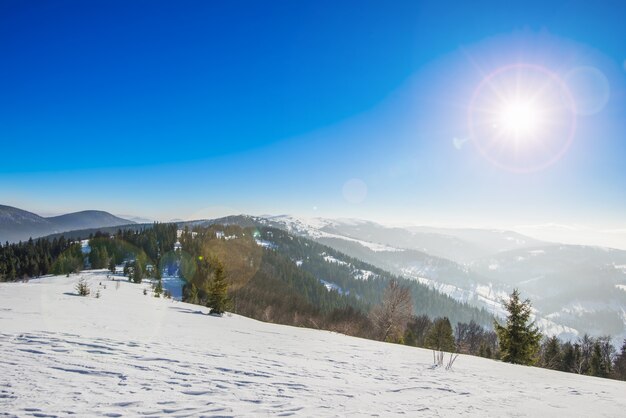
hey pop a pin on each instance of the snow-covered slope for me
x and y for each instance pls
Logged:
(573, 288)
(126, 354)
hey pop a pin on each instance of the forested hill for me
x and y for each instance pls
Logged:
(291, 274)
(351, 277)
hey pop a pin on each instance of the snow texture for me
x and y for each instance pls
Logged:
(126, 354)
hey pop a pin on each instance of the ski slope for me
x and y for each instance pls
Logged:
(126, 354)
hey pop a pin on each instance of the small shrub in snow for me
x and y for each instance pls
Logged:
(157, 289)
(82, 288)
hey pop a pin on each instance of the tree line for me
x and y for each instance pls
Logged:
(33, 258)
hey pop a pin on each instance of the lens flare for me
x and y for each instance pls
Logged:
(522, 117)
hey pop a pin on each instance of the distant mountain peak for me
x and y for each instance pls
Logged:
(19, 225)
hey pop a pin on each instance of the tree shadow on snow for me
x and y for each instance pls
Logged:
(189, 311)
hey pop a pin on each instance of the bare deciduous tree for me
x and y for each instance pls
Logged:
(392, 315)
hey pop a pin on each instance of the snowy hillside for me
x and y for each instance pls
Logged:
(129, 354)
(481, 267)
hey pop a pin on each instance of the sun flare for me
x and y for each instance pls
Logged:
(520, 119)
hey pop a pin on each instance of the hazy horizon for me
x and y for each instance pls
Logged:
(551, 232)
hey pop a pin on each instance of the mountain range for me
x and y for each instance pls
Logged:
(574, 288)
(20, 225)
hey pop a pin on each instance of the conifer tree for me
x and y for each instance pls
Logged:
(518, 339)
(217, 293)
(193, 295)
(551, 353)
(598, 367)
(440, 337)
(568, 358)
(158, 288)
(137, 272)
(82, 288)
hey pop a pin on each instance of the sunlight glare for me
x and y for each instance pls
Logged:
(520, 119)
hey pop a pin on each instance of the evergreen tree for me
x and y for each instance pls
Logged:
(193, 297)
(104, 258)
(440, 337)
(598, 367)
(518, 339)
(158, 288)
(137, 272)
(217, 294)
(568, 358)
(551, 354)
(82, 288)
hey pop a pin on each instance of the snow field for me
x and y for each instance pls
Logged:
(126, 354)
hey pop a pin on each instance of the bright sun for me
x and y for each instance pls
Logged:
(520, 119)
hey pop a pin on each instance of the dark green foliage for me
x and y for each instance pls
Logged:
(602, 354)
(619, 366)
(138, 272)
(368, 291)
(519, 339)
(158, 288)
(568, 358)
(551, 357)
(99, 257)
(70, 261)
(193, 296)
(416, 330)
(217, 291)
(82, 288)
(440, 336)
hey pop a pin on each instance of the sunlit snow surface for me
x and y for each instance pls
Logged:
(126, 354)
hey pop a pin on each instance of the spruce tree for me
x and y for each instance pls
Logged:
(217, 293)
(440, 337)
(568, 358)
(137, 272)
(158, 288)
(551, 354)
(82, 288)
(518, 339)
(598, 366)
(193, 297)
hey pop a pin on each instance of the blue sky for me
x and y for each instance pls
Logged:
(342, 109)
